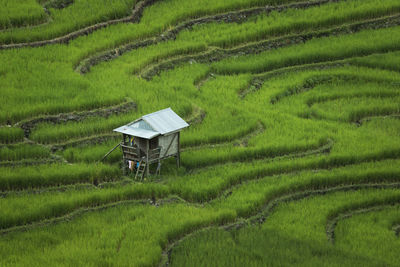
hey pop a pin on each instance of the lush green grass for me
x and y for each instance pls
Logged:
(375, 227)
(20, 209)
(23, 151)
(208, 184)
(295, 233)
(257, 28)
(93, 153)
(50, 133)
(220, 211)
(11, 134)
(20, 13)
(265, 26)
(246, 200)
(125, 235)
(384, 61)
(81, 93)
(79, 14)
(317, 50)
(355, 108)
(86, 12)
(265, 126)
(55, 174)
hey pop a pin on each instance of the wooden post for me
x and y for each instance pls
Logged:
(147, 158)
(178, 157)
(124, 169)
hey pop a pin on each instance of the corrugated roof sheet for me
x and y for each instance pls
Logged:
(143, 133)
(165, 121)
(140, 124)
(161, 122)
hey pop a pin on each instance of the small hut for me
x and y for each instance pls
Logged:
(150, 139)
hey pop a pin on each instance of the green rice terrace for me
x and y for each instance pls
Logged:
(292, 156)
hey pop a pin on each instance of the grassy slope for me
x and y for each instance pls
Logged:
(260, 135)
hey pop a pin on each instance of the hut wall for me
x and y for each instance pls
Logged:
(165, 141)
(141, 143)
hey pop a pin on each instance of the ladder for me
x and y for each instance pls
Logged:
(141, 170)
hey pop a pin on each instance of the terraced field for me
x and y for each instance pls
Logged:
(292, 156)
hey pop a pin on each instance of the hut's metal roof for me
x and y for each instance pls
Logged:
(158, 123)
(165, 121)
(139, 129)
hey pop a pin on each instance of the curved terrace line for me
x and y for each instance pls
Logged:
(332, 223)
(56, 4)
(258, 79)
(319, 79)
(240, 141)
(325, 148)
(53, 158)
(267, 210)
(135, 17)
(61, 188)
(357, 118)
(367, 119)
(312, 102)
(223, 193)
(265, 154)
(29, 124)
(90, 140)
(217, 54)
(240, 178)
(78, 212)
(229, 17)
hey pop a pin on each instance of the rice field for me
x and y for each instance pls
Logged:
(292, 157)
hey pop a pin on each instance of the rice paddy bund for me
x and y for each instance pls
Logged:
(292, 157)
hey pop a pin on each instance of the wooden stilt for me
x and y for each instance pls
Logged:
(178, 156)
(147, 158)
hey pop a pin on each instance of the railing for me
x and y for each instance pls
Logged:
(131, 153)
(134, 153)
